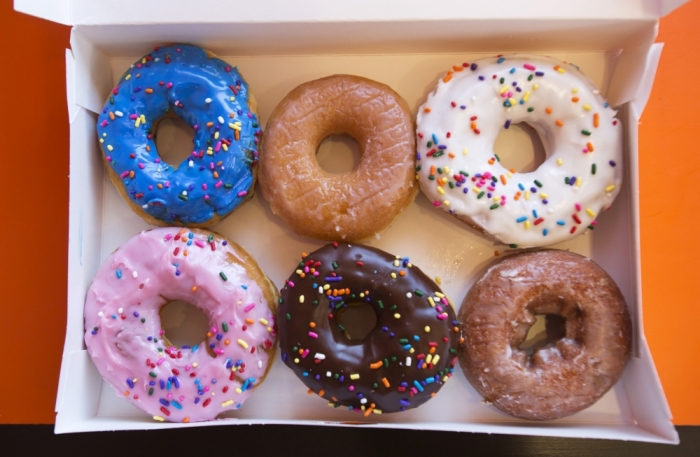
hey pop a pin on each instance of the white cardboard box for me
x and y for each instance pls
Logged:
(408, 45)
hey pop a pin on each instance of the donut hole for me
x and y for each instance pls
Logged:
(183, 324)
(545, 332)
(338, 154)
(174, 139)
(520, 148)
(358, 320)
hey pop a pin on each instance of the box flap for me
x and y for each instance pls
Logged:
(79, 392)
(652, 63)
(53, 10)
(91, 71)
(666, 6)
(651, 410)
(70, 86)
(630, 69)
(89, 12)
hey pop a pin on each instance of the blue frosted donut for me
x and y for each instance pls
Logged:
(209, 95)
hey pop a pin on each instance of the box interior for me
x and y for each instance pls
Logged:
(409, 57)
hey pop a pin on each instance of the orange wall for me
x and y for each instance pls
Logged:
(34, 214)
(669, 169)
(34, 191)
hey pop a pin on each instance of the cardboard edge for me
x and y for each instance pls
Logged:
(72, 113)
(647, 399)
(666, 6)
(60, 11)
(70, 86)
(647, 82)
(89, 12)
(630, 70)
(81, 372)
(641, 378)
(85, 173)
(92, 73)
(619, 432)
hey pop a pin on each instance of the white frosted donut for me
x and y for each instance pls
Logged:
(459, 171)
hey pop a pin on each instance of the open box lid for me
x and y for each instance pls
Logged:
(89, 12)
(278, 27)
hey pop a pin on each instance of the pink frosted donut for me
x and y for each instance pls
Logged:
(126, 342)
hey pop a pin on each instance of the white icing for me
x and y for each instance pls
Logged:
(509, 273)
(470, 152)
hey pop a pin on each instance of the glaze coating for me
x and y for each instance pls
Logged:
(559, 379)
(351, 206)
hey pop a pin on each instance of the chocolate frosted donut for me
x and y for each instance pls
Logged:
(405, 358)
(563, 377)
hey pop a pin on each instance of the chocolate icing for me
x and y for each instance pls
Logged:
(326, 360)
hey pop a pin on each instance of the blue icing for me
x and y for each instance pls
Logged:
(182, 78)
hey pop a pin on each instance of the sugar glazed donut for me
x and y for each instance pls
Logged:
(126, 342)
(350, 206)
(460, 172)
(563, 377)
(401, 363)
(211, 97)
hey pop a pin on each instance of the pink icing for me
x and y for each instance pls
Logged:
(122, 313)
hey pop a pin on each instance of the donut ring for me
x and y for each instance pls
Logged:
(211, 97)
(562, 378)
(460, 173)
(124, 336)
(351, 206)
(401, 363)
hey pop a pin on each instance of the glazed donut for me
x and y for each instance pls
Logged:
(460, 173)
(561, 378)
(124, 337)
(349, 206)
(212, 98)
(401, 363)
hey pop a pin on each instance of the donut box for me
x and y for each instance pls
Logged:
(280, 45)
